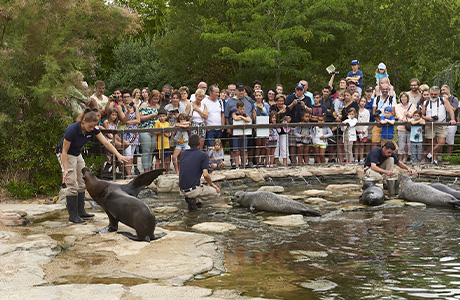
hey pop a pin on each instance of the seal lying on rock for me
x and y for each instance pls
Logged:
(372, 194)
(268, 201)
(420, 192)
(121, 205)
(444, 188)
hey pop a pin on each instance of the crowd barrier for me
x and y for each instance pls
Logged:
(253, 130)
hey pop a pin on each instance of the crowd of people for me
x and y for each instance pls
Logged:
(362, 117)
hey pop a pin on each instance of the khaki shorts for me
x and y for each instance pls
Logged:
(438, 131)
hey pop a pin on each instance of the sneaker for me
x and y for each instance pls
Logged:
(429, 156)
(107, 169)
(137, 172)
(250, 164)
(332, 160)
(435, 162)
(361, 162)
(233, 166)
(356, 161)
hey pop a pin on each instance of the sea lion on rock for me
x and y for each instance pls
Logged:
(444, 188)
(268, 201)
(372, 194)
(121, 205)
(420, 192)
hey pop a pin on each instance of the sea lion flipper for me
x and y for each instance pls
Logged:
(106, 229)
(137, 184)
(158, 235)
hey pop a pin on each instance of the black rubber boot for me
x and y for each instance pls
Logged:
(81, 206)
(72, 208)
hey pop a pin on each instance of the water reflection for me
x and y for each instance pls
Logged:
(384, 253)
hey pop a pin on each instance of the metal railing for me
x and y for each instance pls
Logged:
(337, 134)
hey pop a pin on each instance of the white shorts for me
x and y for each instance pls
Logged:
(451, 130)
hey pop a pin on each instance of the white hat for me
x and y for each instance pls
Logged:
(381, 66)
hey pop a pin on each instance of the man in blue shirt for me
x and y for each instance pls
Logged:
(381, 160)
(193, 164)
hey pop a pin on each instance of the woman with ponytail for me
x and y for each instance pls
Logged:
(69, 155)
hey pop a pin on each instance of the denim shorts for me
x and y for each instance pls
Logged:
(182, 146)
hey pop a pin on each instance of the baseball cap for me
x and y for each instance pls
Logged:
(240, 86)
(355, 62)
(369, 88)
(299, 86)
(382, 66)
(389, 109)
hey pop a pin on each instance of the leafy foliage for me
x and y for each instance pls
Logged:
(136, 64)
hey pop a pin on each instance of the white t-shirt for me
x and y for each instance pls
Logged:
(100, 103)
(215, 109)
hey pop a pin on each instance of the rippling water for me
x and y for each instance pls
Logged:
(384, 253)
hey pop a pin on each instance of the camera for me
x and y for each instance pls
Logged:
(335, 72)
(417, 136)
(116, 97)
(167, 95)
(435, 118)
(131, 104)
(378, 112)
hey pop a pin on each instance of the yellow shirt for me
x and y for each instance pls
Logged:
(158, 124)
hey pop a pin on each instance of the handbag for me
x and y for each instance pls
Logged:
(407, 126)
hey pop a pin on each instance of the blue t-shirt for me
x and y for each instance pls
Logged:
(192, 163)
(368, 106)
(358, 73)
(230, 108)
(380, 76)
(77, 139)
(318, 110)
(387, 130)
(416, 133)
(376, 156)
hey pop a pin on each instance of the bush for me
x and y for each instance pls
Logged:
(20, 189)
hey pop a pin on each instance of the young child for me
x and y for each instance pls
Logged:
(317, 107)
(356, 75)
(181, 138)
(272, 141)
(238, 146)
(349, 135)
(376, 137)
(320, 135)
(162, 151)
(216, 156)
(303, 136)
(380, 73)
(416, 136)
(387, 121)
(112, 123)
(361, 130)
(338, 104)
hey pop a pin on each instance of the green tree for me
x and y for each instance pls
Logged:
(42, 44)
(136, 65)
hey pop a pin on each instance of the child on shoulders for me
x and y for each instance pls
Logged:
(380, 73)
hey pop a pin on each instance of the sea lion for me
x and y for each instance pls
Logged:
(444, 188)
(120, 203)
(268, 201)
(420, 192)
(372, 194)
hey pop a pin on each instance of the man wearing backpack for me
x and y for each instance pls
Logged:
(383, 101)
(436, 110)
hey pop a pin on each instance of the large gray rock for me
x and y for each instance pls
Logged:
(286, 221)
(272, 188)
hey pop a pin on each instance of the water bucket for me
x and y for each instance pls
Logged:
(370, 179)
(393, 186)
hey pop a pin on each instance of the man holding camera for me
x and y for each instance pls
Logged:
(298, 102)
(436, 110)
(383, 101)
(165, 96)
